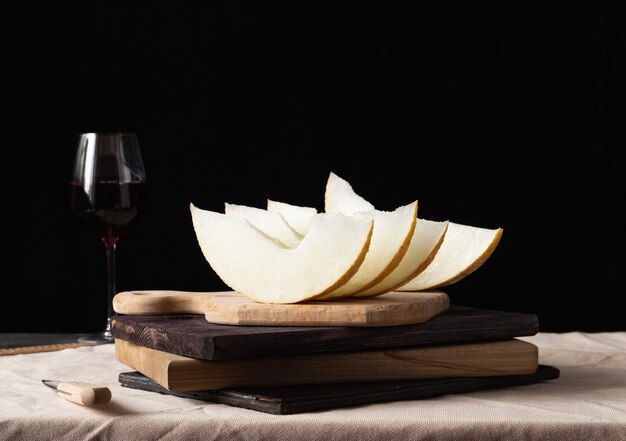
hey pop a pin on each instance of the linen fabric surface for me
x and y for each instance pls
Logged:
(587, 402)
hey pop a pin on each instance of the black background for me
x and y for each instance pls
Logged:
(489, 113)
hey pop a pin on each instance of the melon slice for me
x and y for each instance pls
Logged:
(419, 254)
(299, 218)
(272, 224)
(341, 198)
(427, 239)
(463, 251)
(251, 263)
(391, 238)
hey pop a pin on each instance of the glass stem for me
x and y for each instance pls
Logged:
(111, 244)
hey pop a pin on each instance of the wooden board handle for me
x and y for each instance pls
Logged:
(232, 308)
(162, 302)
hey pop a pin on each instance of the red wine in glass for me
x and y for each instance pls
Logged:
(109, 208)
(108, 192)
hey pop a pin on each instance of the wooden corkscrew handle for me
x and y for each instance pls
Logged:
(85, 394)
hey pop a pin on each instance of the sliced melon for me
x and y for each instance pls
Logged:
(425, 243)
(258, 267)
(427, 239)
(391, 238)
(299, 218)
(341, 198)
(463, 251)
(272, 224)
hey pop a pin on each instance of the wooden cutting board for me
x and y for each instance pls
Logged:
(193, 336)
(231, 308)
(177, 373)
(287, 400)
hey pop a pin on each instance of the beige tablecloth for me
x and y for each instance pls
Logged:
(588, 402)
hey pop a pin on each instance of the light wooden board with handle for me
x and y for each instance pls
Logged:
(178, 373)
(231, 308)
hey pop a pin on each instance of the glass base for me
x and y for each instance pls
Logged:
(99, 338)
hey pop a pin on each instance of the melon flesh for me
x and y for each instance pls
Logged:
(341, 198)
(391, 238)
(427, 239)
(251, 263)
(417, 257)
(272, 224)
(299, 218)
(463, 251)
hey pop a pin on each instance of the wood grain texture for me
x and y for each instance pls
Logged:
(177, 373)
(286, 400)
(193, 336)
(231, 308)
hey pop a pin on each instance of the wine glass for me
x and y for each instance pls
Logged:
(108, 192)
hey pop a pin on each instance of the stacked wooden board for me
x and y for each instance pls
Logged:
(303, 368)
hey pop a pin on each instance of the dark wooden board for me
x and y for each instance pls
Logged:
(298, 399)
(192, 336)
